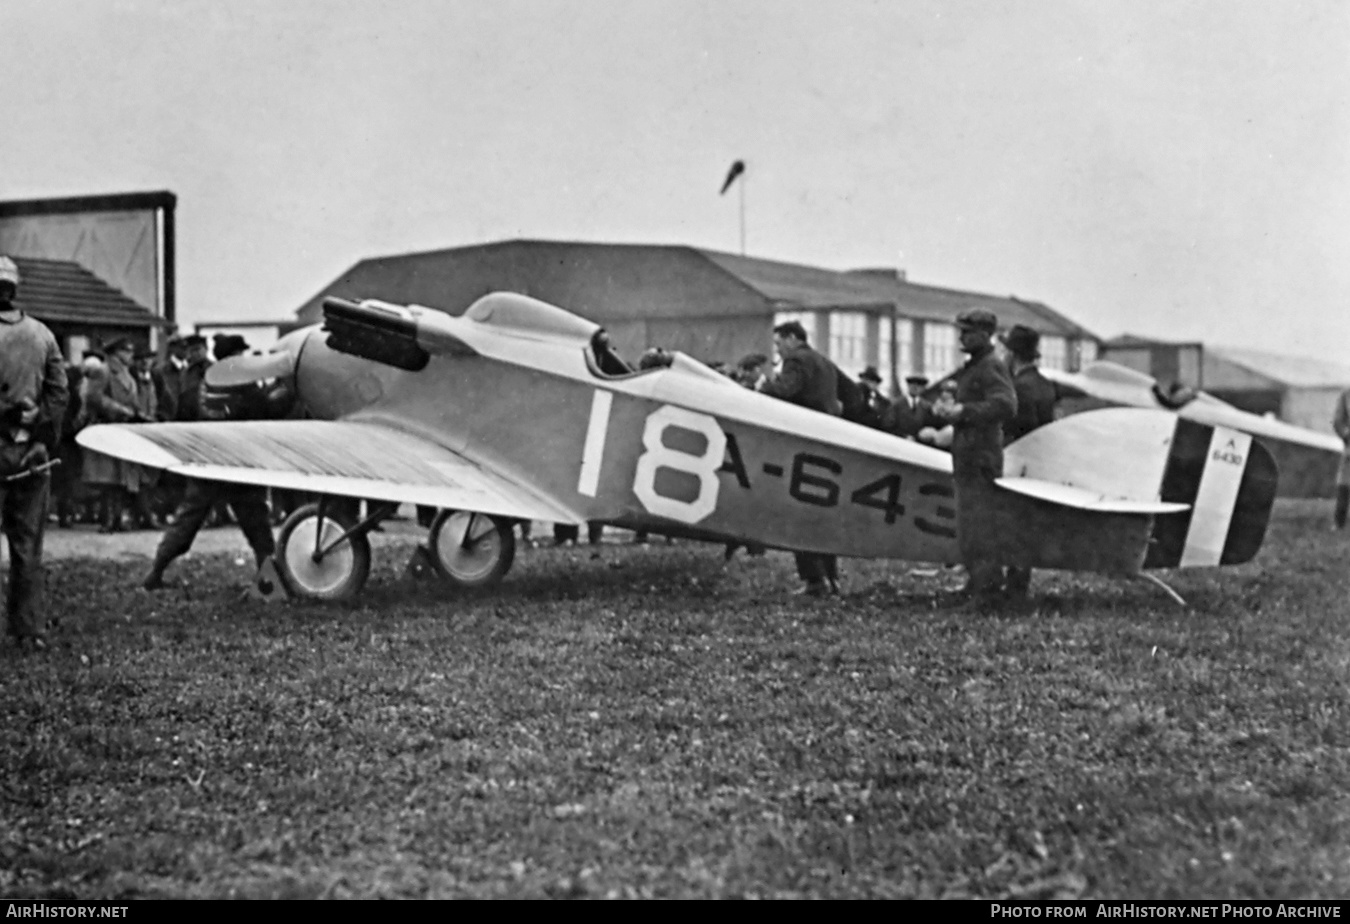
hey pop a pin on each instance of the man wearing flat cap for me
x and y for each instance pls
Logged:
(1036, 398)
(985, 402)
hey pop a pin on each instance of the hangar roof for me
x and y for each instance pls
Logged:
(612, 282)
(1294, 371)
(63, 290)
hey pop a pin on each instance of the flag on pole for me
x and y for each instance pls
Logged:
(736, 170)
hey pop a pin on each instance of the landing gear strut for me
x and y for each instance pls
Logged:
(323, 554)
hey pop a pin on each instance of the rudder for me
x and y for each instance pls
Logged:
(1229, 480)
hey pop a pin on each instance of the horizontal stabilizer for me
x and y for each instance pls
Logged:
(1210, 488)
(1082, 499)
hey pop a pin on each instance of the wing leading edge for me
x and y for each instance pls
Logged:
(367, 460)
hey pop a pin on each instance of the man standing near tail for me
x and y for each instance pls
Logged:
(985, 402)
(1036, 398)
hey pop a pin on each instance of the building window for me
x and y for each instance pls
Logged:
(885, 327)
(904, 347)
(1054, 352)
(1087, 352)
(941, 350)
(848, 341)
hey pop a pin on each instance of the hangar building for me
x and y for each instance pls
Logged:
(714, 306)
(94, 267)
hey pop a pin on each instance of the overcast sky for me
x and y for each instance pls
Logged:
(1173, 169)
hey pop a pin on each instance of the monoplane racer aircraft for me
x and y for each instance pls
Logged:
(516, 410)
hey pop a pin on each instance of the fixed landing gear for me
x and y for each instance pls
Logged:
(323, 551)
(472, 549)
(323, 554)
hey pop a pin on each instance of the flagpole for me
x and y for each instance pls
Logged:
(736, 172)
(743, 182)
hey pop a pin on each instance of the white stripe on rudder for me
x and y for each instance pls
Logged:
(1225, 462)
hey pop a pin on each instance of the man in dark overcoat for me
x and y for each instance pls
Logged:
(807, 379)
(168, 378)
(985, 402)
(1036, 397)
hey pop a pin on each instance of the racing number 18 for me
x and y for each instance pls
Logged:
(656, 456)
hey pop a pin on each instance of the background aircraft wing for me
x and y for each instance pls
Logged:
(352, 459)
(1109, 383)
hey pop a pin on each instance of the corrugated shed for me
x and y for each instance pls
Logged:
(62, 291)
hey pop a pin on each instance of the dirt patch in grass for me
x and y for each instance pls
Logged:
(654, 723)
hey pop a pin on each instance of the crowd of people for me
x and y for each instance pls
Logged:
(126, 382)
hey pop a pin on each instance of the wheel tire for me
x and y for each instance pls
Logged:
(343, 570)
(492, 547)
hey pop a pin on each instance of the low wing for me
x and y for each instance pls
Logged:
(351, 459)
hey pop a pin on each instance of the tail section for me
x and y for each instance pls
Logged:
(1229, 481)
(1200, 494)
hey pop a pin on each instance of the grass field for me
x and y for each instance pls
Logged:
(652, 723)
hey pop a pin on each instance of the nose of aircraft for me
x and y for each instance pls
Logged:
(279, 362)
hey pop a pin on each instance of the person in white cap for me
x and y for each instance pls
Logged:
(33, 397)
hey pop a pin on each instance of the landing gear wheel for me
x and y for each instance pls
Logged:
(340, 572)
(472, 549)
